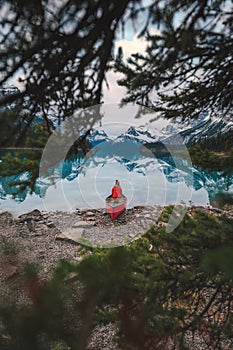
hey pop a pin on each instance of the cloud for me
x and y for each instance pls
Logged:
(114, 93)
(129, 47)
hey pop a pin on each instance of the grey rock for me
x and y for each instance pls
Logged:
(41, 227)
(31, 225)
(91, 218)
(82, 224)
(6, 218)
(45, 216)
(9, 270)
(32, 214)
(50, 224)
(36, 234)
(83, 210)
(90, 213)
(73, 234)
(139, 207)
(148, 215)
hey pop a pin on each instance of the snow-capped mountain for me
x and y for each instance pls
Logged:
(177, 124)
(176, 132)
(143, 134)
(142, 177)
(97, 136)
(126, 150)
(174, 169)
(7, 91)
(193, 132)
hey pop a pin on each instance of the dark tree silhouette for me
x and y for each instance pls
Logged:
(187, 67)
(59, 50)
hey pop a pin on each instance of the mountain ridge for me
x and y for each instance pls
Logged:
(176, 132)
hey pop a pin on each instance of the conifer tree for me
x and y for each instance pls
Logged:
(187, 66)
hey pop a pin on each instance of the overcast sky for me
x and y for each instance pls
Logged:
(130, 44)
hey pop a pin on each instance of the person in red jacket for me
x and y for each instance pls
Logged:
(117, 190)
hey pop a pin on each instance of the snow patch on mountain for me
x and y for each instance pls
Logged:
(8, 90)
(191, 131)
(176, 132)
(97, 136)
(143, 134)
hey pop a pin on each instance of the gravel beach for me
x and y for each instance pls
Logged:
(44, 238)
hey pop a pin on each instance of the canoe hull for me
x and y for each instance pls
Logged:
(115, 206)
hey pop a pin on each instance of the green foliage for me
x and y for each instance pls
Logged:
(18, 163)
(10, 124)
(66, 51)
(186, 67)
(224, 199)
(218, 143)
(23, 161)
(25, 158)
(204, 158)
(46, 319)
(220, 259)
(163, 284)
(154, 290)
(37, 136)
(212, 161)
(214, 153)
(62, 48)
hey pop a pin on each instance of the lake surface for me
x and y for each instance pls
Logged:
(118, 152)
(86, 182)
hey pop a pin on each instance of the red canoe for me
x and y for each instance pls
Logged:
(115, 206)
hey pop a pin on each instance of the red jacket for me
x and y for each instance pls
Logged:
(116, 191)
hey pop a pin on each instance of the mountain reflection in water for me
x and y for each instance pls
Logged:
(146, 178)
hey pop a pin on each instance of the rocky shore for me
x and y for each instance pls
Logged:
(96, 228)
(45, 238)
